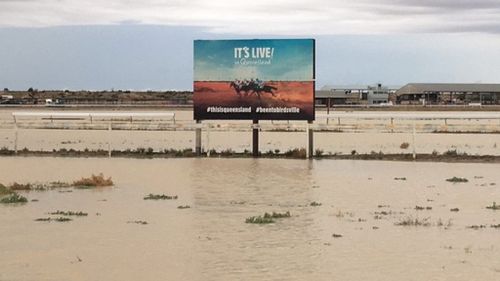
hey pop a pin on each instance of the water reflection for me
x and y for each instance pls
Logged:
(229, 190)
(211, 241)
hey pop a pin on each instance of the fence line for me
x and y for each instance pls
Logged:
(390, 122)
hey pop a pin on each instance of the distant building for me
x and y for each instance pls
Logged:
(441, 93)
(352, 95)
(337, 96)
(377, 94)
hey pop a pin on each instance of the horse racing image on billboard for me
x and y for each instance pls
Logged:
(254, 79)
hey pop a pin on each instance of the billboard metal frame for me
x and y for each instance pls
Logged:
(281, 114)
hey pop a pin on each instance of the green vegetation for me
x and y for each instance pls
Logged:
(410, 221)
(60, 219)
(476, 227)
(267, 218)
(450, 156)
(404, 145)
(58, 184)
(457, 180)
(275, 215)
(93, 181)
(63, 216)
(13, 199)
(295, 153)
(6, 151)
(17, 186)
(138, 222)
(259, 220)
(441, 223)
(4, 190)
(69, 213)
(90, 182)
(33, 186)
(494, 206)
(341, 214)
(451, 152)
(160, 197)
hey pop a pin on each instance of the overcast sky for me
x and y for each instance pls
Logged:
(124, 44)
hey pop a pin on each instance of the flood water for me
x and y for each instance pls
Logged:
(211, 241)
(364, 141)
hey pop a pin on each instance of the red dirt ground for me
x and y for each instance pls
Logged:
(288, 94)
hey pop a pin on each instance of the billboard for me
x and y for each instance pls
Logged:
(254, 79)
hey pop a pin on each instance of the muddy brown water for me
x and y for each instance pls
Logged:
(211, 241)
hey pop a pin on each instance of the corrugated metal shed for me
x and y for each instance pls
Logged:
(421, 88)
(335, 94)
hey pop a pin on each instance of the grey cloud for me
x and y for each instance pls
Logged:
(445, 4)
(265, 16)
(491, 28)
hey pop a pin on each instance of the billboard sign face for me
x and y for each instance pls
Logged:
(254, 79)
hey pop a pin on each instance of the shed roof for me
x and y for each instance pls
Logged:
(335, 94)
(415, 88)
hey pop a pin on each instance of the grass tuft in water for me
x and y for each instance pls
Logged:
(4, 190)
(494, 206)
(457, 180)
(410, 221)
(69, 213)
(259, 220)
(446, 225)
(59, 219)
(14, 198)
(138, 222)
(404, 145)
(267, 218)
(93, 181)
(58, 184)
(160, 197)
(341, 214)
(62, 219)
(420, 208)
(275, 215)
(476, 227)
(19, 186)
(295, 153)
(33, 186)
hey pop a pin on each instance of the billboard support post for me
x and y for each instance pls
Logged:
(110, 138)
(255, 138)
(310, 140)
(198, 139)
(413, 145)
(15, 137)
